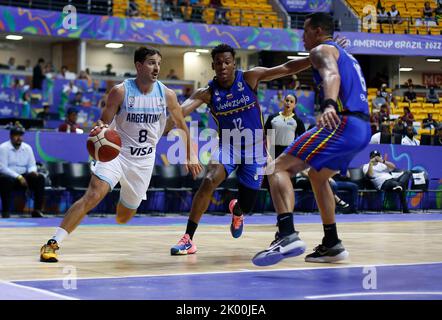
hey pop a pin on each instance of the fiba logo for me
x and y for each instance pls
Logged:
(240, 86)
(70, 17)
(131, 101)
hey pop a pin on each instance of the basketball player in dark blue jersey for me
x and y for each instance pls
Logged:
(231, 97)
(342, 131)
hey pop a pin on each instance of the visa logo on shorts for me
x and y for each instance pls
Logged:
(140, 151)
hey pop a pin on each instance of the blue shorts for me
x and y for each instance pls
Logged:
(250, 169)
(332, 149)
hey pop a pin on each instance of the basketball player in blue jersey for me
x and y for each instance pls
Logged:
(231, 97)
(342, 131)
(137, 110)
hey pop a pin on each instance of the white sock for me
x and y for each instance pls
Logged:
(59, 235)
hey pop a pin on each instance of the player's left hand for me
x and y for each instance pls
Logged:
(194, 168)
(329, 119)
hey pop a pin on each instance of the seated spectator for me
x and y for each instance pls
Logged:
(384, 115)
(374, 122)
(78, 100)
(197, 11)
(18, 170)
(132, 10)
(70, 125)
(172, 75)
(408, 117)
(385, 132)
(220, 12)
(399, 127)
(410, 95)
(409, 139)
(438, 13)
(45, 114)
(388, 96)
(83, 75)
(408, 83)
(432, 96)
(427, 11)
(28, 66)
(382, 16)
(11, 63)
(429, 123)
(394, 15)
(343, 183)
(66, 74)
(379, 101)
(108, 71)
(380, 172)
(438, 136)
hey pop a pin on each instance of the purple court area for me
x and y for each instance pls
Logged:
(218, 220)
(422, 281)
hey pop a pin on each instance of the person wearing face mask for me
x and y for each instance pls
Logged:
(380, 172)
(285, 126)
(409, 139)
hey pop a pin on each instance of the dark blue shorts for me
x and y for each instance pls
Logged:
(332, 149)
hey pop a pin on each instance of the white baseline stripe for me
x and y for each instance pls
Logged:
(342, 266)
(360, 294)
(13, 291)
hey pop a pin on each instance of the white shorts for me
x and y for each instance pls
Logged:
(134, 177)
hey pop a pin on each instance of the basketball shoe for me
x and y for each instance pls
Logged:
(237, 224)
(323, 254)
(183, 247)
(280, 248)
(47, 252)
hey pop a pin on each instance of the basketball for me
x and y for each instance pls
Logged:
(103, 144)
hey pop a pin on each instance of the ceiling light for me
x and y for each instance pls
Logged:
(294, 57)
(433, 60)
(202, 50)
(405, 69)
(114, 45)
(192, 53)
(304, 54)
(13, 37)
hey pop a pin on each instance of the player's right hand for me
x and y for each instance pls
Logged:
(101, 125)
(194, 168)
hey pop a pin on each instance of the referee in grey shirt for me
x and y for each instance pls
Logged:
(18, 170)
(286, 125)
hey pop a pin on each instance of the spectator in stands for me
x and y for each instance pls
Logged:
(382, 16)
(84, 76)
(410, 95)
(378, 136)
(394, 15)
(408, 117)
(438, 136)
(132, 10)
(374, 121)
(399, 127)
(429, 123)
(108, 71)
(388, 96)
(28, 66)
(378, 101)
(427, 11)
(432, 96)
(45, 114)
(26, 105)
(70, 125)
(343, 183)
(18, 170)
(220, 12)
(78, 100)
(197, 11)
(66, 74)
(286, 125)
(384, 114)
(438, 12)
(409, 83)
(409, 139)
(11, 63)
(38, 75)
(172, 75)
(380, 172)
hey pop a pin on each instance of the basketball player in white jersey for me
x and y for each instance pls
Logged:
(136, 109)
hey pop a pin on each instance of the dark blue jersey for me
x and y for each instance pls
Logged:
(353, 90)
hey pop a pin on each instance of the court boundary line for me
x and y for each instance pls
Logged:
(387, 293)
(37, 290)
(343, 266)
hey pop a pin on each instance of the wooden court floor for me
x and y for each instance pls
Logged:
(110, 250)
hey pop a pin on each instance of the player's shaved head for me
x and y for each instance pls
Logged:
(322, 20)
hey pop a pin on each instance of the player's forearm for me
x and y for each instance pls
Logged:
(107, 116)
(296, 66)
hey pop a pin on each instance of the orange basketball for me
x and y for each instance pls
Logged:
(103, 144)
